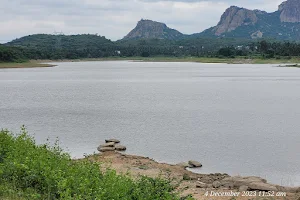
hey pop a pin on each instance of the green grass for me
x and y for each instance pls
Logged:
(28, 64)
(31, 171)
(154, 59)
(276, 61)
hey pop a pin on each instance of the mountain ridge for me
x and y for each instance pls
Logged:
(283, 24)
(148, 29)
(236, 22)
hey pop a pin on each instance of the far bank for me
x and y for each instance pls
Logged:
(28, 64)
(237, 60)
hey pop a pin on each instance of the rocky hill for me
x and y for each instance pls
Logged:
(148, 29)
(243, 23)
(235, 17)
(290, 11)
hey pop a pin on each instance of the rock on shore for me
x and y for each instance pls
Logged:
(112, 140)
(111, 145)
(195, 164)
(187, 182)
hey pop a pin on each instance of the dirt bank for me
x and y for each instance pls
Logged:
(189, 183)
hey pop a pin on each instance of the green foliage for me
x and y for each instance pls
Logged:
(44, 46)
(31, 171)
(11, 54)
(227, 52)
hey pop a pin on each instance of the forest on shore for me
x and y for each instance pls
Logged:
(55, 47)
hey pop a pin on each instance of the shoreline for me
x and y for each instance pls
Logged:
(183, 59)
(29, 64)
(47, 63)
(187, 182)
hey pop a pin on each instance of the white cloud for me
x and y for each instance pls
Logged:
(112, 18)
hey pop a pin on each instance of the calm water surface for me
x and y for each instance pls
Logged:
(236, 119)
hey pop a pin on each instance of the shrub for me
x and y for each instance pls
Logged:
(31, 171)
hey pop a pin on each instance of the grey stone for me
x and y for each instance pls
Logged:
(216, 184)
(109, 144)
(239, 181)
(243, 188)
(201, 184)
(112, 140)
(255, 179)
(195, 164)
(229, 185)
(104, 149)
(120, 147)
(262, 186)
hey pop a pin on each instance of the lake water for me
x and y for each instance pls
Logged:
(235, 119)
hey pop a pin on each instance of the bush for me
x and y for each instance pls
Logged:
(32, 171)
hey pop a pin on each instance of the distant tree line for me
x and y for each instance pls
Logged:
(55, 47)
(12, 54)
(263, 49)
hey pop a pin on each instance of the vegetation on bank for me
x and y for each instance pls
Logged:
(12, 54)
(31, 171)
(193, 49)
(25, 64)
(236, 60)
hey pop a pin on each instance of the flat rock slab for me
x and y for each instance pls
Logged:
(105, 149)
(109, 144)
(243, 188)
(112, 140)
(183, 164)
(194, 164)
(238, 181)
(262, 186)
(120, 147)
(254, 183)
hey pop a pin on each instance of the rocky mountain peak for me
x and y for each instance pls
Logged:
(147, 29)
(290, 11)
(235, 17)
(281, 6)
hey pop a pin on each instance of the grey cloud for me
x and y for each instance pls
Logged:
(112, 18)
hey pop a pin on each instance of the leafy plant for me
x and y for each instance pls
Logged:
(31, 171)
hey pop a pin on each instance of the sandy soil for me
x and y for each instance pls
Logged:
(184, 180)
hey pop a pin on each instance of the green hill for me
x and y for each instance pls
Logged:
(64, 46)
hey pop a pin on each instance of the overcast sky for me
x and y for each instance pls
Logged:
(113, 18)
